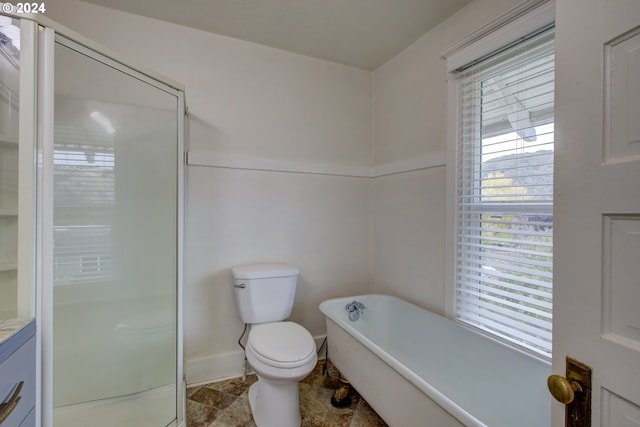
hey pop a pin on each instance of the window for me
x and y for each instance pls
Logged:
(504, 193)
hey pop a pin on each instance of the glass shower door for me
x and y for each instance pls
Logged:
(9, 108)
(115, 237)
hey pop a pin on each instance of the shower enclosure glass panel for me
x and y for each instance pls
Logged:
(115, 245)
(9, 103)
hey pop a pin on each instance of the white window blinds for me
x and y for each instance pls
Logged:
(505, 193)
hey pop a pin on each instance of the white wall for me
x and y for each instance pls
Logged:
(410, 104)
(250, 100)
(348, 235)
(318, 223)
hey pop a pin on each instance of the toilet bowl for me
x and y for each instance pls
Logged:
(281, 354)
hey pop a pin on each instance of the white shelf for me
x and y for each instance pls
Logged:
(8, 212)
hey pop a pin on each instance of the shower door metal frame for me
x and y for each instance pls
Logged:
(50, 33)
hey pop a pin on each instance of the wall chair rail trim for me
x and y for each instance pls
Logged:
(233, 161)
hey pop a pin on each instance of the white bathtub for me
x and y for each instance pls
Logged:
(416, 368)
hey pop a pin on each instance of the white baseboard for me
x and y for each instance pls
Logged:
(213, 368)
(221, 367)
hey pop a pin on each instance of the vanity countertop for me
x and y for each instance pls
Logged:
(14, 333)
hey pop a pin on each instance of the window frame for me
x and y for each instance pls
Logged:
(506, 29)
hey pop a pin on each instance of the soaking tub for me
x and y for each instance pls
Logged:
(416, 368)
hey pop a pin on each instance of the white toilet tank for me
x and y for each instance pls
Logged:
(264, 292)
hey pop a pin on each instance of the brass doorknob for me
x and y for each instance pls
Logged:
(562, 389)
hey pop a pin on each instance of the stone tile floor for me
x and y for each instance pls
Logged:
(225, 403)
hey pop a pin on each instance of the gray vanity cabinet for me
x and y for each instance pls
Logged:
(17, 373)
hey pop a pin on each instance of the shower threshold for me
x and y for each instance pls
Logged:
(151, 408)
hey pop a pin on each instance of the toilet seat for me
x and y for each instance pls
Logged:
(281, 344)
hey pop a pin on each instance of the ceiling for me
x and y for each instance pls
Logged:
(359, 33)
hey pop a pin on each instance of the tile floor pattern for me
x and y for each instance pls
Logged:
(225, 404)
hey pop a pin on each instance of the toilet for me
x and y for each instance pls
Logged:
(280, 352)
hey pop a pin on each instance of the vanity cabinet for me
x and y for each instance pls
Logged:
(17, 373)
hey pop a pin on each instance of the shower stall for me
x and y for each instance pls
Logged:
(98, 236)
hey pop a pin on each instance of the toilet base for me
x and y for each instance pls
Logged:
(275, 403)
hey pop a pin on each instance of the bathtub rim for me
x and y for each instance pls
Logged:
(438, 397)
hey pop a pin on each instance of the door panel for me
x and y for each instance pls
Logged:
(622, 98)
(621, 317)
(597, 203)
(618, 411)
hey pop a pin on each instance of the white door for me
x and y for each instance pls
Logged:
(597, 204)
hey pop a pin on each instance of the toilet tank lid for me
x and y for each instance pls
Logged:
(261, 271)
